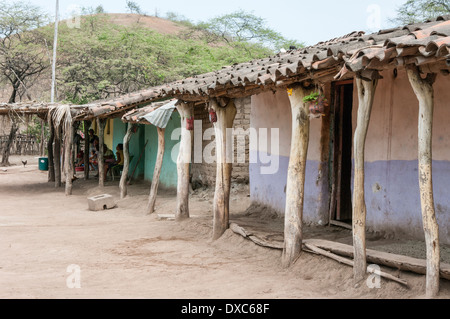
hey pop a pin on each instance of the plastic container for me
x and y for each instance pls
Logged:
(43, 163)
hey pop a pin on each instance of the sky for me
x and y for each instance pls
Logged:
(305, 21)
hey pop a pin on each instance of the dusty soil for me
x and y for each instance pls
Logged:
(123, 253)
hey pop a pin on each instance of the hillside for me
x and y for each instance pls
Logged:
(159, 25)
(113, 54)
(40, 90)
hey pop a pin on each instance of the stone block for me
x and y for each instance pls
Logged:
(101, 202)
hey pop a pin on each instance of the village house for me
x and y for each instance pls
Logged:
(375, 156)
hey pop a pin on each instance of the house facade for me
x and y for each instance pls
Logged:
(391, 157)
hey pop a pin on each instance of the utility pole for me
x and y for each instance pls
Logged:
(55, 44)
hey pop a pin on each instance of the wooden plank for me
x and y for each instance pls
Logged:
(264, 243)
(239, 230)
(381, 258)
(349, 262)
(172, 216)
(340, 224)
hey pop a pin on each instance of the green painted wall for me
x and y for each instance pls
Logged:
(137, 143)
(168, 177)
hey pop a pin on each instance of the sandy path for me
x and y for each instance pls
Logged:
(123, 253)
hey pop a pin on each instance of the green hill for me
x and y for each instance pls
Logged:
(114, 54)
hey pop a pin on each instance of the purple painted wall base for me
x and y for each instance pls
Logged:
(391, 191)
(270, 190)
(393, 199)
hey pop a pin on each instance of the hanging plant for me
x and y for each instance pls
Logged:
(190, 124)
(317, 103)
(212, 116)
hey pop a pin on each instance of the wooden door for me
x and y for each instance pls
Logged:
(343, 106)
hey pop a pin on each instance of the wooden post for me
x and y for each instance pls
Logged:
(157, 171)
(68, 158)
(41, 145)
(87, 154)
(226, 113)
(126, 163)
(366, 93)
(423, 88)
(57, 156)
(295, 188)
(12, 136)
(51, 139)
(101, 164)
(186, 111)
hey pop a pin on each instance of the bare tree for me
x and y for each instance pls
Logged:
(22, 54)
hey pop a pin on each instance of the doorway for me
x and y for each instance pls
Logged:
(341, 206)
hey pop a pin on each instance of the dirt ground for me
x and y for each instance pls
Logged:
(123, 253)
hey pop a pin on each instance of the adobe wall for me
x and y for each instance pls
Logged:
(391, 165)
(391, 158)
(205, 173)
(269, 111)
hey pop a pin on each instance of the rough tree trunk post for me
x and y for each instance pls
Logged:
(41, 146)
(157, 171)
(423, 88)
(226, 113)
(68, 158)
(57, 157)
(186, 111)
(126, 163)
(87, 154)
(51, 139)
(366, 93)
(7, 149)
(295, 188)
(101, 164)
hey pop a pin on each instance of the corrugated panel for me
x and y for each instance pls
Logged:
(161, 116)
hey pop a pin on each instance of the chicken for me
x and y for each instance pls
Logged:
(24, 163)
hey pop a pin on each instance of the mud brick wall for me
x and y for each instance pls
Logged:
(205, 173)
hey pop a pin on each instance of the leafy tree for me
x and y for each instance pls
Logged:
(91, 10)
(243, 27)
(100, 9)
(414, 11)
(177, 18)
(133, 7)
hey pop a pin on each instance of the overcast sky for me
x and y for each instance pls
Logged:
(306, 21)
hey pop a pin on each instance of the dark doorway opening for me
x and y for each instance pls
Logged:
(341, 206)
